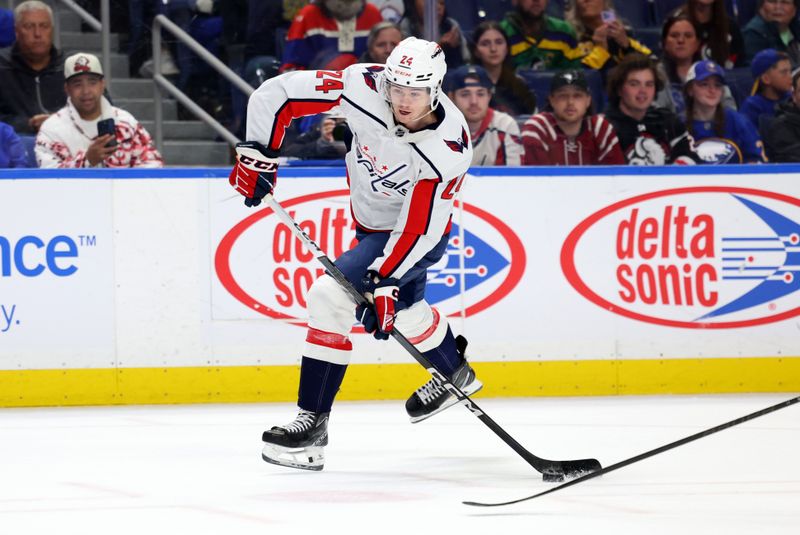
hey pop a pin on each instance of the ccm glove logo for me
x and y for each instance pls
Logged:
(254, 174)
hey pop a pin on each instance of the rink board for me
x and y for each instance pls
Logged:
(160, 287)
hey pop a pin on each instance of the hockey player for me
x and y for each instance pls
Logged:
(495, 135)
(647, 135)
(409, 154)
(570, 134)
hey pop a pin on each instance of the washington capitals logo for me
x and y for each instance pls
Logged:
(460, 144)
(370, 75)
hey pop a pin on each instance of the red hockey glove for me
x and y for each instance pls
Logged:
(383, 294)
(255, 172)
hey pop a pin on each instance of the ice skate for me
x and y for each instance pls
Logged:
(433, 397)
(298, 444)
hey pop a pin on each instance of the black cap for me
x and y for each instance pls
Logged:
(565, 78)
(467, 76)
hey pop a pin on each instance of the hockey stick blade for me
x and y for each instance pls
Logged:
(645, 455)
(550, 470)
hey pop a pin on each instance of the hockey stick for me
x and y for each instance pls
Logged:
(551, 470)
(650, 453)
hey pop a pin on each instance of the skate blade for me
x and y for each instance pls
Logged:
(474, 387)
(310, 458)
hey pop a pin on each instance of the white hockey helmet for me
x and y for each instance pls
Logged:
(416, 63)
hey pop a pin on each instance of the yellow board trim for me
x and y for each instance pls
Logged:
(238, 384)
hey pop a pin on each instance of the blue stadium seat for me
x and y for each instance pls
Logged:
(740, 82)
(649, 37)
(29, 142)
(664, 8)
(743, 9)
(638, 14)
(470, 13)
(539, 83)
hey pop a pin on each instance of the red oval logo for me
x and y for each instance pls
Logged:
(695, 257)
(283, 271)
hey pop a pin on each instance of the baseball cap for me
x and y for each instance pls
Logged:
(82, 63)
(703, 70)
(468, 76)
(565, 78)
(762, 62)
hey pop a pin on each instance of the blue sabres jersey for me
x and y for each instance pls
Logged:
(739, 143)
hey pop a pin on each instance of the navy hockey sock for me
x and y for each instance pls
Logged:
(445, 357)
(319, 383)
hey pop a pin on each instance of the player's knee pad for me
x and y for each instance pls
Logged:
(330, 318)
(422, 325)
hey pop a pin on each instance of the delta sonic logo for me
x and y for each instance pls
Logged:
(262, 264)
(702, 257)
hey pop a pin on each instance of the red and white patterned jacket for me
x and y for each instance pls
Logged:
(64, 138)
(497, 140)
(546, 144)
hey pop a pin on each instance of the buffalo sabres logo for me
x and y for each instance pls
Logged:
(460, 144)
(716, 150)
(647, 151)
(370, 75)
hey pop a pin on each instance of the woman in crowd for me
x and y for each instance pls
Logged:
(720, 38)
(602, 36)
(489, 49)
(721, 134)
(382, 39)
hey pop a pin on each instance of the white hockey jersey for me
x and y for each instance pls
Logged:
(497, 141)
(400, 182)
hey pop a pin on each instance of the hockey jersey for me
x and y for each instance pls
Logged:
(546, 144)
(400, 182)
(318, 41)
(739, 143)
(660, 138)
(497, 140)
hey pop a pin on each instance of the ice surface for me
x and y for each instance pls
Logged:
(197, 469)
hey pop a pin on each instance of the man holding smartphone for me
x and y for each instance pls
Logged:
(89, 131)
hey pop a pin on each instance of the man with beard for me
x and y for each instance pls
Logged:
(539, 41)
(330, 34)
(495, 135)
(74, 135)
(647, 135)
(570, 134)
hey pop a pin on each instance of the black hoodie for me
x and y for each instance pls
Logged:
(25, 92)
(782, 138)
(660, 138)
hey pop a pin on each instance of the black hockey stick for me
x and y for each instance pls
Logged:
(650, 453)
(551, 470)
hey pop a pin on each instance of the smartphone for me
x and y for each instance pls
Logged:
(107, 126)
(608, 15)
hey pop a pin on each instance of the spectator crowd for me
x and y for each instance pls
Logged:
(540, 82)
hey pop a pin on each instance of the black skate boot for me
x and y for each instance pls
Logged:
(298, 444)
(433, 397)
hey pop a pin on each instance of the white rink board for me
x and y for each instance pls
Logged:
(56, 274)
(149, 292)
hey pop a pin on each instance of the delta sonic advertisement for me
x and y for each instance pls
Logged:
(56, 274)
(263, 272)
(716, 268)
